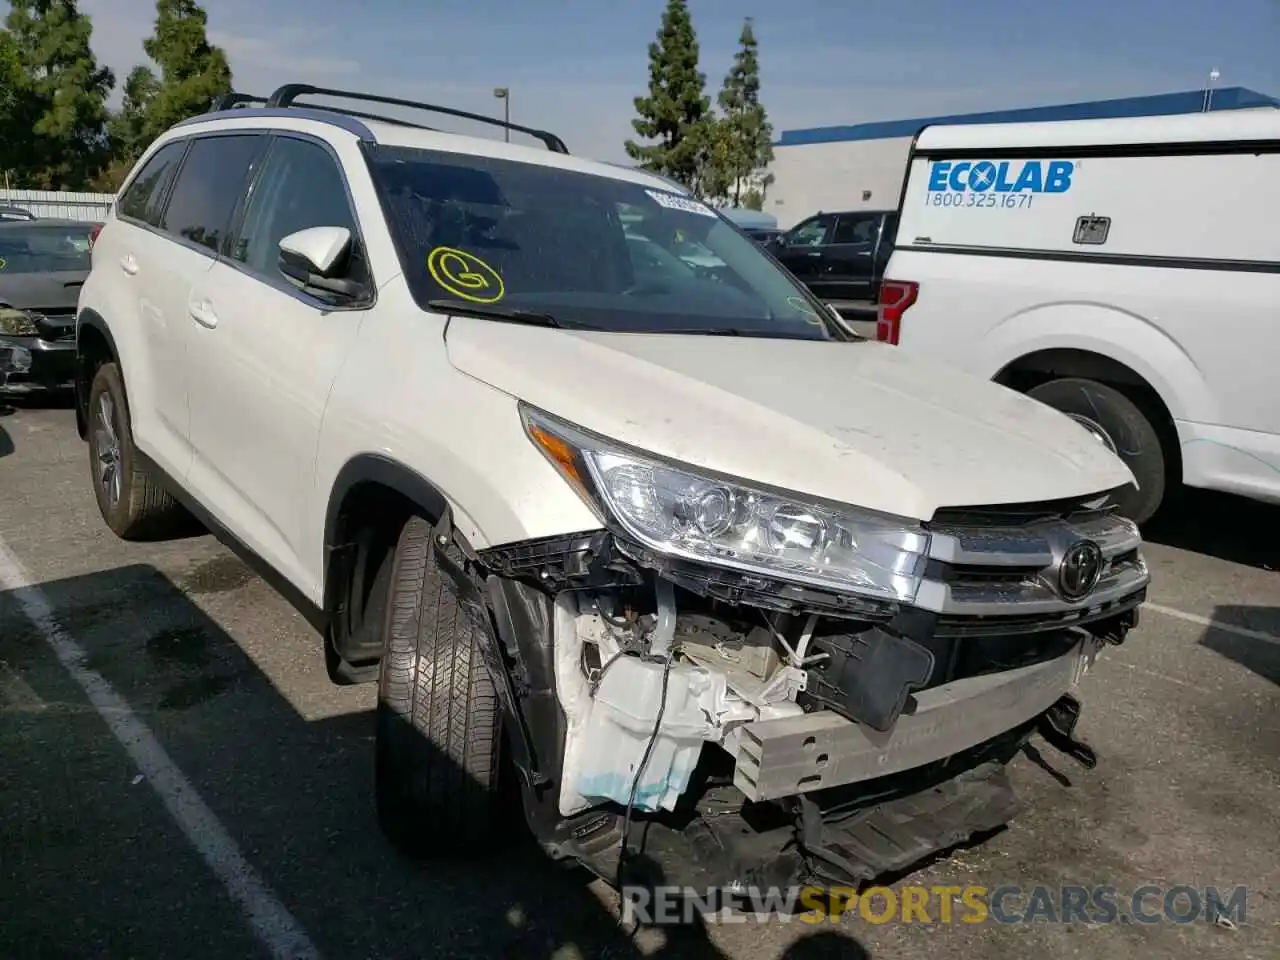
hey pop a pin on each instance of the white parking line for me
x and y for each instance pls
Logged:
(1231, 628)
(271, 921)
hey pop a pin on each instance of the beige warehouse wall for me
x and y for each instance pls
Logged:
(834, 176)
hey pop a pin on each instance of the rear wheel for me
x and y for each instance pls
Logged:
(130, 498)
(438, 717)
(1123, 427)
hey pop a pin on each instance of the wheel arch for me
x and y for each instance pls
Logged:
(95, 345)
(372, 495)
(1040, 366)
(383, 493)
(375, 470)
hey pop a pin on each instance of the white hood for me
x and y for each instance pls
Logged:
(861, 423)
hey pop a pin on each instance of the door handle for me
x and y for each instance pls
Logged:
(814, 253)
(129, 264)
(202, 313)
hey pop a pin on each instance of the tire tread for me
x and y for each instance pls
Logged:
(437, 793)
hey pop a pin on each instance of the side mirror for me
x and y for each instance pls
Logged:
(313, 256)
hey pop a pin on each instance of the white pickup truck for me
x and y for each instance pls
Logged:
(1125, 272)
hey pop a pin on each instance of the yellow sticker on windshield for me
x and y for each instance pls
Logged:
(3, 263)
(465, 275)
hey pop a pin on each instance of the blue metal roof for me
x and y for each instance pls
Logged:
(1165, 104)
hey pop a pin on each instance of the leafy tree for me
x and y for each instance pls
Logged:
(749, 134)
(676, 111)
(15, 129)
(62, 93)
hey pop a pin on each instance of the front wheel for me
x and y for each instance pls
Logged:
(1123, 427)
(439, 723)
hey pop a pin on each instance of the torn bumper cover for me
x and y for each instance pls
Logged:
(766, 728)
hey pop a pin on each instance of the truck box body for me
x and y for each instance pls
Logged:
(1139, 253)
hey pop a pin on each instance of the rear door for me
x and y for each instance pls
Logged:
(161, 260)
(123, 295)
(848, 263)
(265, 344)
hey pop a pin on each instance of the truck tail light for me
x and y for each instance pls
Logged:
(93, 234)
(895, 297)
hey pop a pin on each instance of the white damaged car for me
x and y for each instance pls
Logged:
(676, 553)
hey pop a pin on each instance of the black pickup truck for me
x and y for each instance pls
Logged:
(840, 256)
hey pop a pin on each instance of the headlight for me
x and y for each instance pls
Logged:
(678, 511)
(17, 323)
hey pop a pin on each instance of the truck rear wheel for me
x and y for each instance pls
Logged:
(1123, 427)
(439, 722)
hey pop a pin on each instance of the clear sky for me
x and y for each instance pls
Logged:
(574, 65)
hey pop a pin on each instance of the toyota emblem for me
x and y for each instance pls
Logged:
(1080, 570)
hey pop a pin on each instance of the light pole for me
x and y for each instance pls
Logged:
(504, 94)
(1208, 91)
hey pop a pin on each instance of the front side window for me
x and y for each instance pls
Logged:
(209, 186)
(300, 187)
(144, 198)
(811, 233)
(592, 251)
(43, 248)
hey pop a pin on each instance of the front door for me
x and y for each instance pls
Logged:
(802, 250)
(265, 345)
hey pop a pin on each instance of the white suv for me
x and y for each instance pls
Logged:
(652, 539)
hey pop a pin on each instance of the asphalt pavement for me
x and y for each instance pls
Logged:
(178, 778)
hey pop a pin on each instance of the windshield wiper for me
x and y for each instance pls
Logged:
(492, 311)
(732, 332)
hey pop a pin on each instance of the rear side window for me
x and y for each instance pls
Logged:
(209, 186)
(44, 248)
(145, 197)
(854, 228)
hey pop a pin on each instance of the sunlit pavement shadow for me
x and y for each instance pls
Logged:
(92, 865)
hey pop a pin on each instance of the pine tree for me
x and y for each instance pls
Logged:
(676, 111)
(749, 132)
(62, 94)
(193, 72)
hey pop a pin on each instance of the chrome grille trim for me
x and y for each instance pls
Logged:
(995, 571)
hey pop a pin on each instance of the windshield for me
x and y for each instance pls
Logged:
(36, 247)
(590, 251)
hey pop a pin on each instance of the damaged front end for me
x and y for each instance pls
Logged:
(722, 724)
